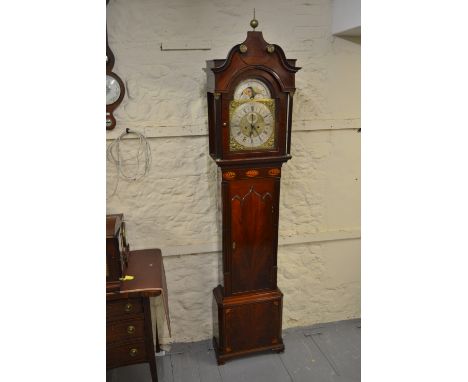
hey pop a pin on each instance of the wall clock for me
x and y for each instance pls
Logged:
(115, 89)
(250, 101)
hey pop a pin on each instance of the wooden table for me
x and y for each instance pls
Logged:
(129, 325)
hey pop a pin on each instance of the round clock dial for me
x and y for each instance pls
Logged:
(252, 126)
(112, 90)
(251, 89)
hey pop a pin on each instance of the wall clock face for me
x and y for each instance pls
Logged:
(112, 90)
(252, 124)
(251, 89)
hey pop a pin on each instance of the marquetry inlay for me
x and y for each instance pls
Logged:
(229, 175)
(251, 173)
(251, 192)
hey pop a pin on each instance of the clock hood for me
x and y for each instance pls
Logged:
(254, 53)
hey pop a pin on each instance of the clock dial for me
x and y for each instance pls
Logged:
(112, 90)
(251, 89)
(252, 125)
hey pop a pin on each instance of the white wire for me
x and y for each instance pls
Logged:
(143, 155)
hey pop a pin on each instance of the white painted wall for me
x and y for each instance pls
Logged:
(346, 17)
(174, 207)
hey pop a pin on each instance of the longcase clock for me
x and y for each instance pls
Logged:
(250, 100)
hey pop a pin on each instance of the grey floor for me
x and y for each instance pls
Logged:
(328, 352)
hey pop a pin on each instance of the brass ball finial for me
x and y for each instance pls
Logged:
(254, 22)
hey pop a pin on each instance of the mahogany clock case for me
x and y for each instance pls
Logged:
(247, 323)
(248, 305)
(250, 224)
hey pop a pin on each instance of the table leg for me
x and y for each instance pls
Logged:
(149, 340)
(154, 374)
(158, 348)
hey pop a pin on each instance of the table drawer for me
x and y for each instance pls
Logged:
(126, 354)
(125, 330)
(118, 309)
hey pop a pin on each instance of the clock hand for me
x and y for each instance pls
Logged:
(252, 128)
(255, 129)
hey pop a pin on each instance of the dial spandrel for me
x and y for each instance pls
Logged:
(112, 90)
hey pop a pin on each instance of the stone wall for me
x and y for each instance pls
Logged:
(160, 49)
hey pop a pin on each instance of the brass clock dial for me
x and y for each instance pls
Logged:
(252, 125)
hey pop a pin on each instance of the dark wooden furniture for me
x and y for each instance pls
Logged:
(250, 100)
(129, 325)
(116, 250)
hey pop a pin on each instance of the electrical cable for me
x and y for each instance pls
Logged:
(142, 158)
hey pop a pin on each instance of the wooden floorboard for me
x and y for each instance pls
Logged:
(207, 366)
(340, 344)
(184, 364)
(259, 368)
(305, 363)
(164, 369)
(329, 352)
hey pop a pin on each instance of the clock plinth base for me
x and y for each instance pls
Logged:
(247, 323)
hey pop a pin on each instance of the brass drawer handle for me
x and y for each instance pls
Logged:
(133, 352)
(130, 329)
(128, 307)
